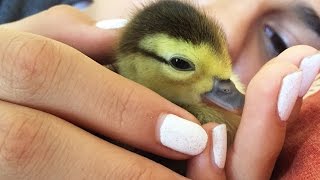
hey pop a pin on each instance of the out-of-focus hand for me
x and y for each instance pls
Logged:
(72, 27)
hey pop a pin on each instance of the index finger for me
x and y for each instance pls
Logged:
(53, 77)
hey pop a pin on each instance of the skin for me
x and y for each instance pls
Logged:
(34, 131)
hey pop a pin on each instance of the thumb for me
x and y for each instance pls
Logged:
(72, 27)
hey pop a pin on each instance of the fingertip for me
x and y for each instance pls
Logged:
(296, 53)
(109, 24)
(210, 163)
(76, 29)
(219, 145)
(310, 67)
(288, 94)
(181, 135)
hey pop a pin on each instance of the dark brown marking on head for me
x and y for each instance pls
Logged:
(152, 55)
(176, 19)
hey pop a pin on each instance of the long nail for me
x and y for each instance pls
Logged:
(111, 23)
(219, 145)
(182, 135)
(310, 68)
(288, 94)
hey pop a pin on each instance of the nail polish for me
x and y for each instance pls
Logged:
(219, 145)
(111, 23)
(182, 135)
(288, 94)
(310, 68)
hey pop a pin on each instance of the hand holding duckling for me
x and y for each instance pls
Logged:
(34, 131)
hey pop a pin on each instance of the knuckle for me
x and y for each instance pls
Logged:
(144, 174)
(270, 76)
(257, 86)
(120, 108)
(260, 90)
(67, 12)
(140, 171)
(27, 64)
(125, 105)
(20, 140)
(298, 48)
(60, 8)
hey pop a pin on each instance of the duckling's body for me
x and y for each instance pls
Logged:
(177, 51)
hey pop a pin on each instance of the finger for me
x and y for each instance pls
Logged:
(309, 64)
(36, 145)
(57, 79)
(270, 98)
(75, 29)
(210, 163)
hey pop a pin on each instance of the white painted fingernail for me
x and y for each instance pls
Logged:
(310, 68)
(219, 145)
(288, 94)
(182, 135)
(111, 23)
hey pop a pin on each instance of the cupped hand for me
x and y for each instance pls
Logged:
(273, 101)
(50, 92)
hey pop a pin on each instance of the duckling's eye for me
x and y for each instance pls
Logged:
(181, 64)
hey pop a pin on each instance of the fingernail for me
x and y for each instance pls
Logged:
(288, 94)
(82, 5)
(310, 68)
(182, 135)
(111, 23)
(219, 145)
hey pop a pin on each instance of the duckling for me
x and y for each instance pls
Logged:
(176, 50)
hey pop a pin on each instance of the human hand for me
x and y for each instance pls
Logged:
(81, 112)
(262, 130)
(44, 83)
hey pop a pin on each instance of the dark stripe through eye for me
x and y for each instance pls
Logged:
(177, 63)
(152, 55)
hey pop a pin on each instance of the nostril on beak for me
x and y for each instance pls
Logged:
(225, 95)
(226, 90)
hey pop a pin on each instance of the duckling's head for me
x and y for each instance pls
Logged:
(177, 51)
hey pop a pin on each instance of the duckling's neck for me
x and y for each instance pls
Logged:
(207, 114)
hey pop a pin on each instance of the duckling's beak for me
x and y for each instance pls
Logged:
(226, 95)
